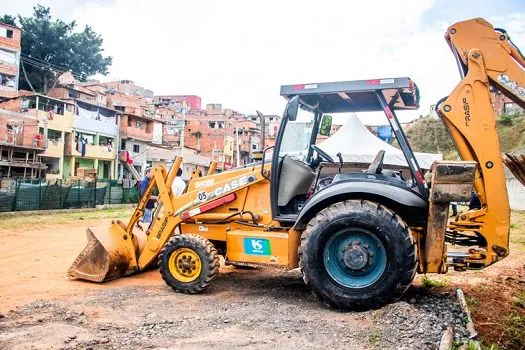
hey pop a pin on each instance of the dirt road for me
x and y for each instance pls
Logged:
(257, 309)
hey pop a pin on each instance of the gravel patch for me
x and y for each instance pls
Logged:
(266, 309)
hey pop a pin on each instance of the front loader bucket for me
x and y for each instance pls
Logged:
(107, 256)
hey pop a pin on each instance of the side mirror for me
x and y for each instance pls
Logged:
(326, 125)
(292, 108)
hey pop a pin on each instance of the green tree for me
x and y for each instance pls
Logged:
(197, 134)
(52, 46)
(8, 20)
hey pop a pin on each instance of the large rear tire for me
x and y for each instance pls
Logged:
(188, 263)
(357, 255)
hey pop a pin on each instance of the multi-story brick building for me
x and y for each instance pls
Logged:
(138, 126)
(271, 127)
(212, 133)
(54, 120)
(77, 134)
(271, 123)
(10, 37)
(91, 143)
(187, 103)
(128, 87)
(248, 139)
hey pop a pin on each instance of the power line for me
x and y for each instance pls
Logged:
(43, 61)
(41, 66)
(36, 62)
(51, 65)
(48, 67)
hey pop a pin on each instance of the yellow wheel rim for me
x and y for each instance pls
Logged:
(185, 265)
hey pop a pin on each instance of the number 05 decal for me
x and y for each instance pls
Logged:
(202, 196)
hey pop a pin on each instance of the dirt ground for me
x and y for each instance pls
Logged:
(41, 308)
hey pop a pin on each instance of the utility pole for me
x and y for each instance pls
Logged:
(117, 146)
(181, 139)
(263, 128)
(238, 147)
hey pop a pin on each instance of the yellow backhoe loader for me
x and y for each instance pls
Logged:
(360, 238)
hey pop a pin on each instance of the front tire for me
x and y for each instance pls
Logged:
(188, 263)
(357, 255)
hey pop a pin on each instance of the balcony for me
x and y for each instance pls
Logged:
(8, 92)
(63, 122)
(105, 125)
(100, 152)
(137, 133)
(8, 68)
(92, 151)
(54, 149)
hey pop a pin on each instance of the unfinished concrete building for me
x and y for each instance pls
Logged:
(21, 145)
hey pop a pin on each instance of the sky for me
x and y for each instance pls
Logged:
(239, 52)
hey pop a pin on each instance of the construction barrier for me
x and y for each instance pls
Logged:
(21, 195)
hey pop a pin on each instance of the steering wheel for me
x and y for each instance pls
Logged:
(323, 154)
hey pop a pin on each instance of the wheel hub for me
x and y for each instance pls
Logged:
(355, 256)
(185, 265)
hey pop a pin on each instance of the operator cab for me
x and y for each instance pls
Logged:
(298, 161)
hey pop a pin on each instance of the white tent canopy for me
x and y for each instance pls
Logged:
(358, 145)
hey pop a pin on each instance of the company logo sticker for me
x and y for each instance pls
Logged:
(257, 246)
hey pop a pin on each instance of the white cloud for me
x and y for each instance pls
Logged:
(238, 53)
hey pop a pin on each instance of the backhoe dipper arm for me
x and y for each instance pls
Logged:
(486, 57)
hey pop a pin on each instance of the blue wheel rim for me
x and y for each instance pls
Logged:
(354, 258)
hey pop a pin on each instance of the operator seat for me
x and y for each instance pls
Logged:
(295, 179)
(376, 167)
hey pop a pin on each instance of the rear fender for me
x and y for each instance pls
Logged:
(410, 206)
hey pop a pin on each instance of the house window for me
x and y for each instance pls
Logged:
(7, 33)
(74, 94)
(54, 135)
(90, 139)
(211, 125)
(123, 144)
(254, 146)
(129, 122)
(138, 124)
(7, 56)
(136, 148)
(511, 108)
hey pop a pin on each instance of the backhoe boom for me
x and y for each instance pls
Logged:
(486, 58)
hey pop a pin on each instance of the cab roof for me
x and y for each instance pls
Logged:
(355, 96)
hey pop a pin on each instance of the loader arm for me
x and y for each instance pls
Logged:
(123, 250)
(486, 57)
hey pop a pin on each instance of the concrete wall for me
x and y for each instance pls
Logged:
(128, 127)
(516, 194)
(105, 126)
(139, 158)
(26, 135)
